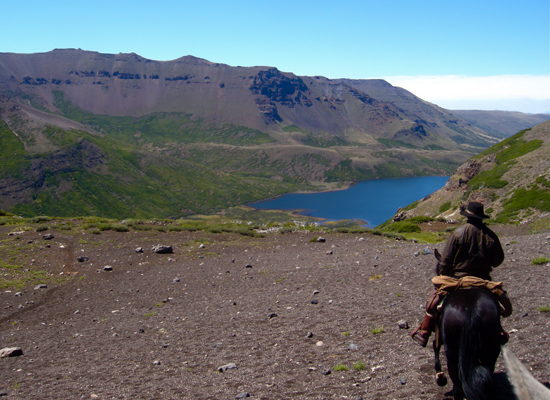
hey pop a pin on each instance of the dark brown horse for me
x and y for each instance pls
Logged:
(470, 331)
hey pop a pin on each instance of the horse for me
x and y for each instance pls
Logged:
(469, 329)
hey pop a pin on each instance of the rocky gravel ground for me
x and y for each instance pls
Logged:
(227, 316)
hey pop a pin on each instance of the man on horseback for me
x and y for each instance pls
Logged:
(472, 251)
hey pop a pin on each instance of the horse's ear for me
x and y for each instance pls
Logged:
(437, 255)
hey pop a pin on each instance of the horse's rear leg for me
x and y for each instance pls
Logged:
(452, 366)
(440, 377)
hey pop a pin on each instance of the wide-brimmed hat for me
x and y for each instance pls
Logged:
(474, 210)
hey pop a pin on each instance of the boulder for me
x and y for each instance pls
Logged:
(162, 249)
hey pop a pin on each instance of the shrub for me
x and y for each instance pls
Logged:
(42, 228)
(359, 366)
(340, 367)
(403, 227)
(544, 309)
(444, 207)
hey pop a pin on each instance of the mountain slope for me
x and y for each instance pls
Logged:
(223, 135)
(512, 180)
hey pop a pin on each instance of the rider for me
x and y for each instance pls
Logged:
(471, 250)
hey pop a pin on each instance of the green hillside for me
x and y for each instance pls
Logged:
(512, 179)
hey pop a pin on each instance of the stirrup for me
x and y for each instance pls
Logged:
(420, 337)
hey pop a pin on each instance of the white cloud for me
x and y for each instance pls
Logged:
(531, 93)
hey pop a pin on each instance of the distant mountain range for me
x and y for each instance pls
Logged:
(119, 135)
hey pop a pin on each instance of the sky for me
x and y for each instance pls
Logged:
(462, 54)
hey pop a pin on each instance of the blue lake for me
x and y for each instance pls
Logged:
(373, 201)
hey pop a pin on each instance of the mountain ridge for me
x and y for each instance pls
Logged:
(255, 125)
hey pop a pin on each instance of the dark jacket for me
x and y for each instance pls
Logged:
(473, 249)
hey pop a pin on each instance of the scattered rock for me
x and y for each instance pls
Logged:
(314, 301)
(353, 347)
(11, 352)
(41, 286)
(139, 250)
(248, 266)
(427, 250)
(403, 324)
(156, 362)
(403, 381)
(226, 367)
(175, 280)
(321, 239)
(162, 249)
(242, 395)
(329, 252)
(47, 236)
(272, 315)
(107, 268)
(319, 343)
(326, 372)
(202, 246)
(82, 259)
(309, 335)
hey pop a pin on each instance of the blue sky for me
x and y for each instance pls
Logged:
(458, 54)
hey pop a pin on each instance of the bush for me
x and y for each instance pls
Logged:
(403, 227)
(444, 207)
(42, 228)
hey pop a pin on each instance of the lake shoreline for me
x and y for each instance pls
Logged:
(373, 201)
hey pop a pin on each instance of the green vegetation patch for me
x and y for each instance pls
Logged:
(540, 260)
(390, 143)
(14, 157)
(522, 200)
(161, 128)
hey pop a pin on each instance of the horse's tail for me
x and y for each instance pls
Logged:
(476, 378)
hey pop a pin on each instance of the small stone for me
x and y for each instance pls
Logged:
(242, 395)
(525, 315)
(139, 250)
(314, 301)
(226, 367)
(82, 259)
(248, 266)
(175, 280)
(272, 315)
(156, 362)
(47, 236)
(321, 239)
(11, 352)
(329, 253)
(361, 239)
(41, 286)
(403, 381)
(416, 254)
(141, 330)
(202, 246)
(316, 292)
(309, 335)
(403, 324)
(18, 294)
(353, 347)
(326, 372)
(319, 343)
(107, 268)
